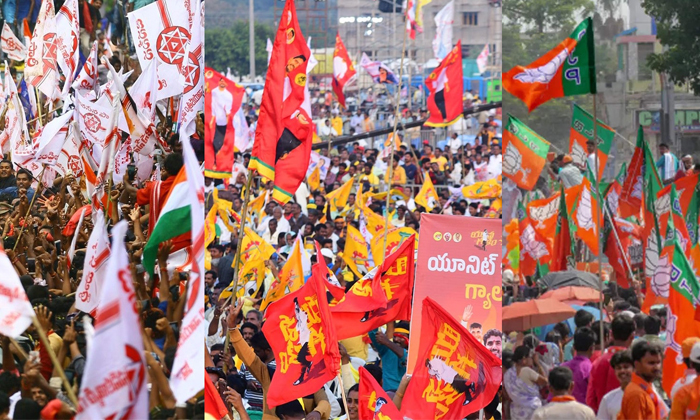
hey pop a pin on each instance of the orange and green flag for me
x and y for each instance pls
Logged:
(563, 245)
(543, 216)
(567, 70)
(524, 153)
(585, 216)
(582, 132)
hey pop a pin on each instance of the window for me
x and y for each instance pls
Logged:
(470, 18)
(644, 49)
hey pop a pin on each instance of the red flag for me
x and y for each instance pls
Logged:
(616, 253)
(350, 314)
(301, 333)
(284, 134)
(446, 85)
(343, 70)
(375, 404)
(222, 100)
(214, 407)
(321, 269)
(456, 375)
(630, 202)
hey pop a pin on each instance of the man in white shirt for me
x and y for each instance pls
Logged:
(454, 143)
(612, 401)
(222, 102)
(357, 122)
(563, 405)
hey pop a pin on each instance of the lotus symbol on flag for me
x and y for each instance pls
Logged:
(584, 214)
(672, 321)
(660, 286)
(613, 201)
(663, 204)
(512, 163)
(171, 44)
(543, 74)
(638, 187)
(540, 214)
(531, 245)
(578, 155)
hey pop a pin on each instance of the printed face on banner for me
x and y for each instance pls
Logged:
(465, 254)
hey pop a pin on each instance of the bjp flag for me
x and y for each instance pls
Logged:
(300, 330)
(585, 215)
(543, 216)
(582, 132)
(356, 254)
(284, 135)
(524, 154)
(222, 100)
(445, 86)
(375, 404)
(456, 375)
(567, 70)
(427, 197)
(343, 70)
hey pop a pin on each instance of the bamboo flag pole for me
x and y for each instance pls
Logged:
(600, 237)
(31, 204)
(390, 170)
(56, 364)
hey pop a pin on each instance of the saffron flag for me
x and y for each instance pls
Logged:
(427, 197)
(374, 403)
(533, 247)
(543, 216)
(222, 101)
(356, 253)
(581, 133)
(567, 70)
(630, 202)
(524, 153)
(290, 276)
(564, 249)
(255, 247)
(512, 259)
(456, 376)
(585, 215)
(303, 338)
(115, 360)
(16, 312)
(668, 206)
(87, 296)
(379, 71)
(12, 46)
(687, 203)
(343, 70)
(443, 30)
(284, 134)
(445, 87)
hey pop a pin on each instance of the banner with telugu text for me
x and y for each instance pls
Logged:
(455, 267)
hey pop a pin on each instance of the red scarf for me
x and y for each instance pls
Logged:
(563, 398)
(87, 19)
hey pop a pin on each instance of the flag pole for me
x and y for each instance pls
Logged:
(389, 174)
(31, 204)
(342, 391)
(241, 232)
(600, 237)
(55, 361)
(628, 265)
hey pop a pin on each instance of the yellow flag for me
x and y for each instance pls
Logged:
(355, 253)
(256, 205)
(397, 142)
(426, 193)
(338, 198)
(375, 222)
(210, 225)
(396, 195)
(293, 270)
(314, 179)
(395, 237)
(482, 190)
(254, 247)
(251, 278)
(495, 209)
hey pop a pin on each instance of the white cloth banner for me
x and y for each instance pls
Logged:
(12, 46)
(87, 296)
(15, 310)
(442, 44)
(41, 67)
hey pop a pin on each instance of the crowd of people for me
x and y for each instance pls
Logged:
(242, 361)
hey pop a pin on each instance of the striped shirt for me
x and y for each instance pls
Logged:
(255, 398)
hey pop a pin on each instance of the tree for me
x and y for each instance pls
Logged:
(228, 47)
(546, 15)
(677, 27)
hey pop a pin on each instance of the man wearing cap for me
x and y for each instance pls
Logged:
(569, 175)
(690, 373)
(686, 168)
(685, 403)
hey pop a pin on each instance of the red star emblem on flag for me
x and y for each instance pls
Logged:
(171, 44)
(50, 50)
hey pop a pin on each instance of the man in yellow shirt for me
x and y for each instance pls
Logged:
(368, 177)
(337, 124)
(398, 176)
(440, 159)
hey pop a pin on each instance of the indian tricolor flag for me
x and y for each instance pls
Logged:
(567, 70)
(174, 220)
(524, 153)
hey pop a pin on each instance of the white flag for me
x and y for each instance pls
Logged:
(51, 139)
(192, 99)
(70, 160)
(74, 241)
(68, 41)
(187, 377)
(41, 68)
(12, 46)
(160, 33)
(95, 266)
(442, 44)
(144, 91)
(95, 119)
(15, 136)
(268, 48)
(16, 312)
(115, 378)
(483, 59)
(86, 82)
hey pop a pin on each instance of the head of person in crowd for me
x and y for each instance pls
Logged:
(493, 340)
(248, 330)
(584, 342)
(687, 162)
(353, 399)
(291, 411)
(583, 318)
(624, 367)
(639, 321)
(171, 165)
(652, 326)
(647, 357)
(522, 356)
(210, 278)
(686, 350)
(561, 381)
(663, 149)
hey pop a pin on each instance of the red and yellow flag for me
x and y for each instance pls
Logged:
(352, 316)
(375, 404)
(300, 330)
(524, 154)
(567, 70)
(445, 87)
(284, 135)
(343, 70)
(456, 376)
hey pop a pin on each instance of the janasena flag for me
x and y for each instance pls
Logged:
(374, 402)
(446, 85)
(567, 70)
(115, 380)
(16, 312)
(284, 134)
(372, 302)
(343, 70)
(94, 267)
(301, 333)
(456, 375)
(524, 153)
(222, 103)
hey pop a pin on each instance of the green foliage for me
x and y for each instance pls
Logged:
(677, 27)
(547, 15)
(228, 47)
